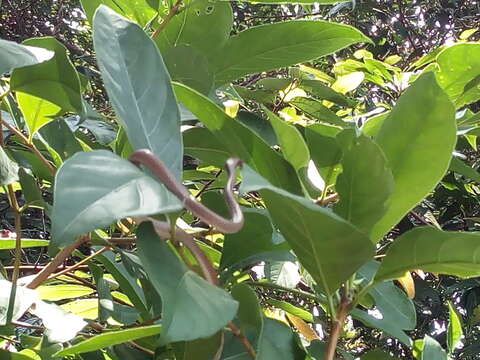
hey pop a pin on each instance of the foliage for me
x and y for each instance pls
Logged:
(324, 246)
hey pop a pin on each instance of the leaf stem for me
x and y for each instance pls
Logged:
(56, 262)
(18, 249)
(338, 320)
(30, 145)
(171, 13)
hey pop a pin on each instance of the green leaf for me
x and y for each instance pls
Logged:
(317, 111)
(461, 168)
(255, 242)
(318, 89)
(8, 169)
(86, 308)
(283, 44)
(192, 307)
(330, 258)
(200, 349)
(249, 311)
(110, 338)
(59, 138)
(240, 140)
(127, 283)
(293, 145)
(190, 67)
(200, 143)
(460, 72)
(418, 138)
(9, 244)
(397, 311)
(326, 2)
(454, 331)
(432, 350)
(138, 87)
(377, 354)
(115, 189)
(63, 291)
(432, 250)
(138, 10)
(325, 150)
(30, 190)
(278, 342)
(55, 81)
(364, 185)
(13, 55)
(36, 111)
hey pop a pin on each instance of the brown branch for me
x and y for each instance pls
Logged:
(30, 145)
(173, 11)
(337, 326)
(243, 340)
(56, 262)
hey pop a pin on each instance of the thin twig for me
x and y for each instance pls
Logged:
(56, 262)
(243, 340)
(80, 263)
(173, 11)
(30, 145)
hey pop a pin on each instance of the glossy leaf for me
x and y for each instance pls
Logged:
(432, 350)
(459, 74)
(255, 242)
(136, 10)
(110, 338)
(115, 188)
(293, 145)
(454, 330)
(63, 291)
(461, 168)
(138, 87)
(240, 140)
(182, 291)
(432, 250)
(317, 111)
(418, 138)
(272, 46)
(200, 143)
(330, 258)
(37, 111)
(13, 55)
(8, 169)
(55, 81)
(364, 185)
(395, 312)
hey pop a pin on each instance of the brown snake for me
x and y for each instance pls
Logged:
(157, 167)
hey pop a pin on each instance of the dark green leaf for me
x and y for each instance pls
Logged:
(95, 188)
(317, 111)
(110, 338)
(272, 46)
(432, 350)
(240, 140)
(418, 138)
(139, 87)
(13, 55)
(8, 169)
(192, 307)
(364, 185)
(330, 258)
(432, 250)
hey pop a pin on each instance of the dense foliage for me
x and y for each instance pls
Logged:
(347, 230)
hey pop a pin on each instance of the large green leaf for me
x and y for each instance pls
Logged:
(454, 330)
(8, 169)
(95, 188)
(272, 46)
(432, 250)
(396, 310)
(203, 25)
(459, 73)
(240, 140)
(329, 247)
(138, 10)
(418, 138)
(192, 308)
(110, 338)
(200, 143)
(138, 85)
(293, 145)
(317, 111)
(432, 350)
(364, 185)
(13, 55)
(255, 242)
(55, 80)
